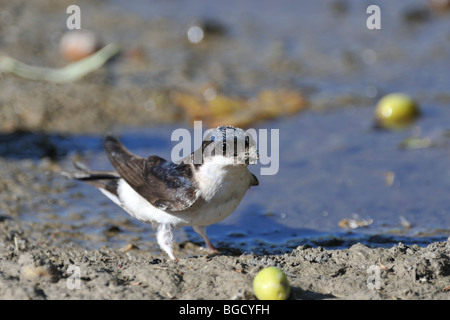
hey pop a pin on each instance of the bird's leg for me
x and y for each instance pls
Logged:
(164, 235)
(202, 232)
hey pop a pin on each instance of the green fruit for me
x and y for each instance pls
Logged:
(396, 110)
(271, 284)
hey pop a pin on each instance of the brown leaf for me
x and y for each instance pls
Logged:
(219, 109)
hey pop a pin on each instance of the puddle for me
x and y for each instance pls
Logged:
(333, 165)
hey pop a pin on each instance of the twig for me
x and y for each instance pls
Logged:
(71, 72)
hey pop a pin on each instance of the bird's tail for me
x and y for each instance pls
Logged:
(104, 180)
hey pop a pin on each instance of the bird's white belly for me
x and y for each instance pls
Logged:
(138, 207)
(206, 214)
(202, 213)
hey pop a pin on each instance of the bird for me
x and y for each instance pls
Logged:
(202, 189)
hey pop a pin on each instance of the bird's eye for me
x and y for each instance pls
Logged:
(213, 138)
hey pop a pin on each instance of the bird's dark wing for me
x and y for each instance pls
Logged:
(165, 185)
(254, 181)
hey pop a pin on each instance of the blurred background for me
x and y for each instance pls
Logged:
(311, 69)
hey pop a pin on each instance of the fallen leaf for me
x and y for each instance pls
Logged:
(354, 223)
(218, 109)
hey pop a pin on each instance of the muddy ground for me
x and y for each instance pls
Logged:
(35, 266)
(38, 258)
(39, 254)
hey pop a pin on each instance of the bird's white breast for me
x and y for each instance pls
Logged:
(220, 190)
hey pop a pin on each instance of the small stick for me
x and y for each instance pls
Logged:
(71, 72)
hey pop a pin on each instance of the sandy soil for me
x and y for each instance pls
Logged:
(37, 261)
(38, 256)
(33, 266)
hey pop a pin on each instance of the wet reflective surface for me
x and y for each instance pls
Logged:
(333, 164)
(332, 167)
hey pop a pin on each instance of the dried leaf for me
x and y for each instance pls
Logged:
(354, 223)
(219, 109)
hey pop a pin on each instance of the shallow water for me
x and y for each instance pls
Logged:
(323, 45)
(332, 167)
(333, 164)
